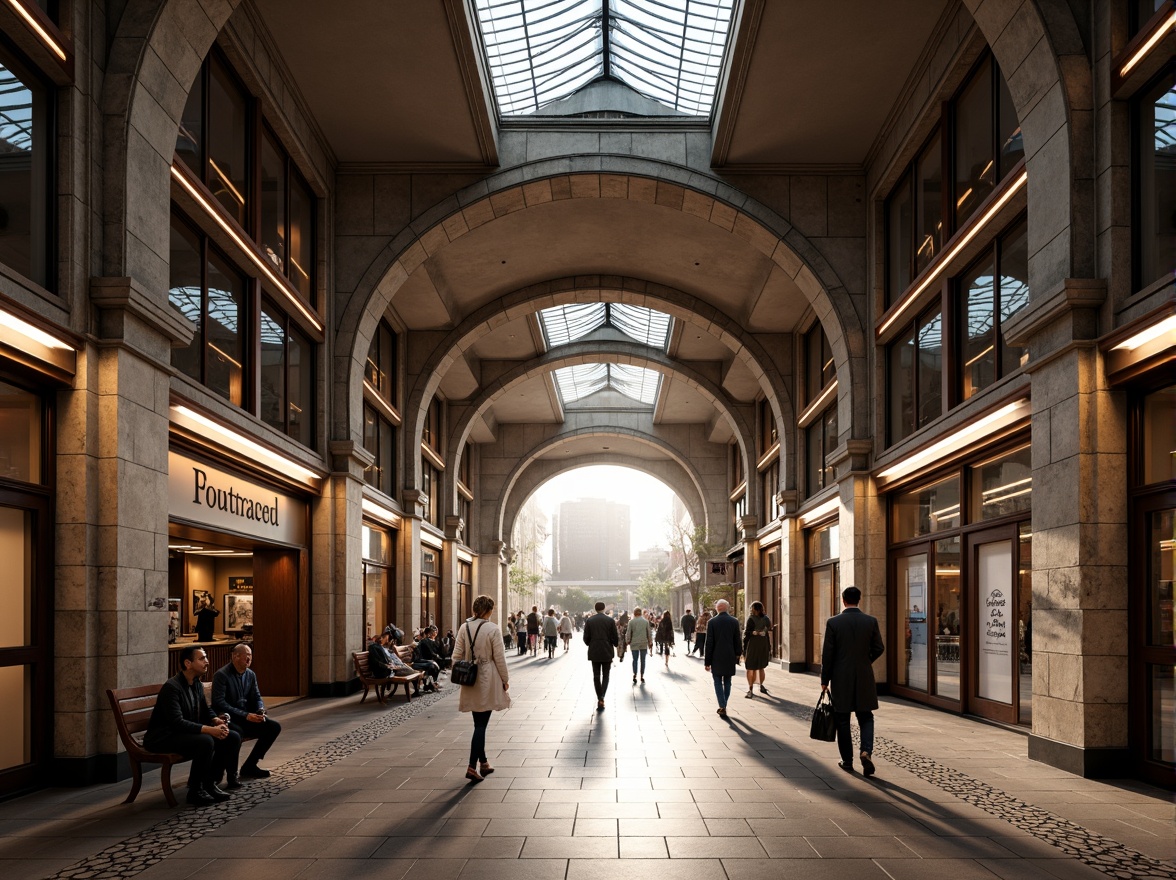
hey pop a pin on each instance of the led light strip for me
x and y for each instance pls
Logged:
(239, 442)
(817, 404)
(55, 47)
(243, 245)
(821, 511)
(12, 322)
(380, 512)
(1143, 337)
(949, 256)
(1151, 43)
(959, 439)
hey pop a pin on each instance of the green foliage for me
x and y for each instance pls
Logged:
(653, 588)
(570, 599)
(693, 546)
(522, 583)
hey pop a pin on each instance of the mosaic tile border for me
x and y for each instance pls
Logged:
(1109, 856)
(135, 854)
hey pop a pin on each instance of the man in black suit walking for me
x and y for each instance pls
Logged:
(600, 635)
(724, 647)
(852, 643)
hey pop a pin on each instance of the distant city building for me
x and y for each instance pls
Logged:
(591, 541)
(648, 560)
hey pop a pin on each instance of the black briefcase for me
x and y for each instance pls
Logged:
(824, 726)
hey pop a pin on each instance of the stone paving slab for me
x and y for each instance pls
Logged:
(657, 782)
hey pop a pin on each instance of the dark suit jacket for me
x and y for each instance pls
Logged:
(724, 644)
(180, 709)
(600, 635)
(237, 694)
(852, 642)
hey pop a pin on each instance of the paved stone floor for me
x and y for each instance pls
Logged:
(657, 782)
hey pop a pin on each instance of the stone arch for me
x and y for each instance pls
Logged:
(680, 305)
(1040, 50)
(596, 352)
(531, 472)
(597, 177)
(154, 58)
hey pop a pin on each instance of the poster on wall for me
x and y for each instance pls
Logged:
(994, 613)
(238, 612)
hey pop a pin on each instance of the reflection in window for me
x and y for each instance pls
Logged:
(228, 143)
(1155, 114)
(820, 441)
(929, 367)
(1002, 486)
(1159, 436)
(224, 364)
(286, 376)
(935, 508)
(379, 369)
(186, 293)
(272, 235)
(25, 199)
(899, 246)
(819, 369)
(379, 438)
(946, 618)
(975, 167)
(20, 435)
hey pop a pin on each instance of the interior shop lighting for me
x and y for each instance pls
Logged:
(1141, 52)
(245, 246)
(994, 209)
(378, 511)
(820, 511)
(240, 443)
(27, 17)
(959, 439)
(819, 403)
(1143, 337)
(37, 335)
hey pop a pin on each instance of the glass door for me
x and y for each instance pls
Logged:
(912, 585)
(992, 598)
(822, 603)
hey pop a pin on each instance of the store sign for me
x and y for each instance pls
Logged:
(994, 613)
(204, 495)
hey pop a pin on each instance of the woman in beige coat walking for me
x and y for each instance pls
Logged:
(480, 639)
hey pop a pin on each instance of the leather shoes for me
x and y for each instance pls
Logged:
(233, 783)
(867, 764)
(252, 771)
(216, 793)
(847, 766)
(198, 797)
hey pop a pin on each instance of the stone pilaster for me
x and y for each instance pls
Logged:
(408, 568)
(490, 579)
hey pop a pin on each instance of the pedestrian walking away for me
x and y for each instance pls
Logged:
(600, 635)
(639, 635)
(565, 631)
(757, 647)
(665, 636)
(700, 633)
(853, 642)
(723, 650)
(480, 639)
(688, 622)
(622, 633)
(550, 633)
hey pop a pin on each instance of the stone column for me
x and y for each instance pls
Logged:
(793, 594)
(110, 609)
(408, 563)
(454, 526)
(490, 579)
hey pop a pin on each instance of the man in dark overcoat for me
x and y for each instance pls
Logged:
(600, 635)
(724, 647)
(852, 643)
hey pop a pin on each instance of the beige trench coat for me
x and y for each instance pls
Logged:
(486, 693)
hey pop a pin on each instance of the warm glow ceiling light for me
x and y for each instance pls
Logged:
(934, 274)
(820, 401)
(245, 246)
(821, 511)
(959, 439)
(378, 511)
(1142, 51)
(1143, 337)
(55, 47)
(240, 443)
(12, 322)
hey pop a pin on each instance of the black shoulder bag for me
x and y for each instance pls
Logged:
(466, 671)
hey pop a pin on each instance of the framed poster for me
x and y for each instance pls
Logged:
(238, 612)
(241, 584)
(201, 599)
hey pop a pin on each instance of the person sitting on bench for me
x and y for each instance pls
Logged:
(235, 693)
(182, 723)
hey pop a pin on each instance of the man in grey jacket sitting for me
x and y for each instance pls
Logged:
(235, 693)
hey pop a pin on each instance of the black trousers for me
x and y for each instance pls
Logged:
(210, 756)
(600, 673)
(264, 732)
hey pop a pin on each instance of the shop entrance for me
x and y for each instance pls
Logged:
(223, 589)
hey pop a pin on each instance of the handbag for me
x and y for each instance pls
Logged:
(824, 725)
(465, 672)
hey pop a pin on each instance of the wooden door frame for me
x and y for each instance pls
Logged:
(969, 587)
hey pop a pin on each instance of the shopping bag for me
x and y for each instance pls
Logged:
(824, 725)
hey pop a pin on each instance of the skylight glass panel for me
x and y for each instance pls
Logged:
(637, 383)
(564, 324)
(540, 51)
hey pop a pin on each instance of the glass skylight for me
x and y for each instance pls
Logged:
(636, 383)
(564, 324)
(541, 51)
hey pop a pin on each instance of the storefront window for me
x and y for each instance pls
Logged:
(1002, 486)
(1159, 436)
(824, 544)
(911, 579)
(379, 440)
(915, 376)
(20, 435)
(935, 508)
(947, 618)
(430, 587)
(286, 376)
(225, 311)
(378, 601)
(1155, 133)
(25, 171)
(820, 441)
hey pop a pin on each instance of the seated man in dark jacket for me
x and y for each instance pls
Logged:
(235, 693)
(379, 657)
(182, 723)
(431, 649)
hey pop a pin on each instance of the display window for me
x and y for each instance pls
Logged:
(823, 551)
(379, 581)
(770, 587)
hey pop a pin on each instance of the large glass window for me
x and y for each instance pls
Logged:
(975, 168)
(770, 484)
(946, 617)
(900, 222)
(1155, 180)
(1002, 486)
(286, 376)
(380, 367)
(379, 600)
(379, 438)
(820, 440)
(228, 141)
(20, 435)
(431, 486)
(818, 362)
(929, 235)
(272, 235)
(1159, 436)
(915, 376)
(26, 168)
(934, 508)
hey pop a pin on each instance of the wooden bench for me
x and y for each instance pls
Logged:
(132, 709)
(383, 685)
